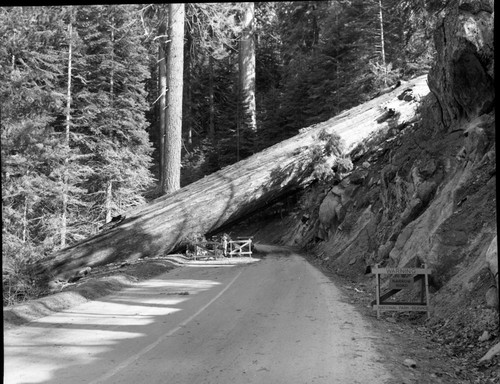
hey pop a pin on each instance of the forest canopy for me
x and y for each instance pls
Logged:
(81, 90)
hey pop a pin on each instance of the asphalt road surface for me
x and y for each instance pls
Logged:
(278, 320)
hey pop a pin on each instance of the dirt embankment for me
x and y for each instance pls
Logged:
(96, 283)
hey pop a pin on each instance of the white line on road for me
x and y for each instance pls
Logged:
(145, 350)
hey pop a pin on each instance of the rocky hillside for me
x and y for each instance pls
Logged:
(425, 192)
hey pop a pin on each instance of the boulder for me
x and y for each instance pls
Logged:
(428, 168)
(476, 141)
(331, 214)
(412, 211)
(491, 297)
(426, 190)
(384, 250)
(462, 77)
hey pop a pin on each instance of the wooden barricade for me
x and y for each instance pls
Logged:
(240, 247)
(402, 278)
(225, 248)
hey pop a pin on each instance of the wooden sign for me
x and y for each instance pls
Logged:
(399, 282)
(404, 307)
(400, 279)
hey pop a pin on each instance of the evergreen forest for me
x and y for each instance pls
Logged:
(84, 100)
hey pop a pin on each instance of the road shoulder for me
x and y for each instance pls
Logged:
(411, 355)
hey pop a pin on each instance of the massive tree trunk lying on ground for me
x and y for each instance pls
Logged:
(236, 190)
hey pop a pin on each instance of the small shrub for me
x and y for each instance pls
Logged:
(190, 241)
(333, 143)
(20, 281)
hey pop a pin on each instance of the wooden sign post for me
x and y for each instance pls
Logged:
(402, 278)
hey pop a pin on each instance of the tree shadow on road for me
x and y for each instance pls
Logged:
(77, 343)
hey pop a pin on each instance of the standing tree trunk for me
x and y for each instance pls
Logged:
(237, 86)
(188, 123)
(211, 122)
(65, 180)
(247, 70)
(382, 46)
(109, 184)
(109, 197)
(112, 74)
(162, 74)
(175, 65)
(25, 220)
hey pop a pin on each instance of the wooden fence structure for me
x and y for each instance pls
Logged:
(240, 247)
(224, 248)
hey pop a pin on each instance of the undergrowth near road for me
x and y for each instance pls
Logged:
(99, 282)
(19, 279)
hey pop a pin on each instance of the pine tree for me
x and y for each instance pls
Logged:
(36, 174)
(212, 33)
(111, 124)
(32, 100)
(74, 140)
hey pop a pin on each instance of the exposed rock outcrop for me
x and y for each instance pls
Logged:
(462, 77)
(430, 188)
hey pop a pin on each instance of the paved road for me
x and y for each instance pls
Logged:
(275, 321)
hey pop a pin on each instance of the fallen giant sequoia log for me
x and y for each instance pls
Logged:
(236, 190)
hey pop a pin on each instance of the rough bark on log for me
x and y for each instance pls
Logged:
(231, 193)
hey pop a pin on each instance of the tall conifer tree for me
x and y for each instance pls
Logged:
(247, 119)
(175, 66)
(112, 105)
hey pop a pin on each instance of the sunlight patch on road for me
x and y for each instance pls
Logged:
(199, 285)
(54, 344)
(37, 363)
